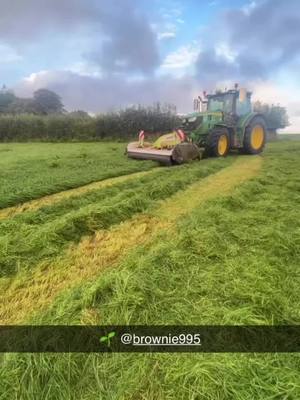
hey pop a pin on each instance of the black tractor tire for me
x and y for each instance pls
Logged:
(218, 143)
(255, 136)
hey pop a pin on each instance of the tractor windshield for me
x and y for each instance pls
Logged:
(221, 103)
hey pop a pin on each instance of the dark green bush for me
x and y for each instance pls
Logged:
(120, 125)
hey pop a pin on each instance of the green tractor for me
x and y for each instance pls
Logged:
(220, 122)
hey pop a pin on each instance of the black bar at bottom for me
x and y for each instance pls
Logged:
(138, 338)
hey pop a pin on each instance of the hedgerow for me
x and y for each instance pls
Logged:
(115, 125)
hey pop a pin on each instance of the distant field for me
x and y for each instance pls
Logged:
(210, 242)
(289, 136)
(32, 170)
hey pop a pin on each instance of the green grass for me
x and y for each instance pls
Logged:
(31, 170)
(234, 260)
(37, 235)
(289, 136)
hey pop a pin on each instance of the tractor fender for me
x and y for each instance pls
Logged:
(217, 125)
(230, 131)
(244, 121)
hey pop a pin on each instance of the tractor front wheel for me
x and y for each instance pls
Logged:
(219, 143)
(255, 136)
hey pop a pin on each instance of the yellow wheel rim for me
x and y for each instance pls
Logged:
(257, 137)
(222, 145)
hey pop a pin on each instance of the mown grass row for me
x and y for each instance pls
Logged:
(232, 261)
(33, 292)
(237, 255)
(38, 235)
(29, 171)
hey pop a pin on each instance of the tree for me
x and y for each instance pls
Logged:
(79, 114)
(6, 98)
(276, 116)
(22, 106)
(48, 102)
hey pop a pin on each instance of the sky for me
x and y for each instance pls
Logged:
(102, 55)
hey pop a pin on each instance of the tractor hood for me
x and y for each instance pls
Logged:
(194, 121)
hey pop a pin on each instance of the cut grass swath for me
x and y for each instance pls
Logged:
(49, 200)
(42, 234)
(107, 248)
(233, 261)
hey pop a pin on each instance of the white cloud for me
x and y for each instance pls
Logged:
(166, 35)
(181, 59)
(272, 93)
(171, 19)
(8, 54)
(84, 69)
(223, 49)
(31, 79)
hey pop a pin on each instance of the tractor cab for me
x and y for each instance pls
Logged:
(219, 107)
(234, 102)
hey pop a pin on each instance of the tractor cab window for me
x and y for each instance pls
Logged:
(215, 105)
(221, 103)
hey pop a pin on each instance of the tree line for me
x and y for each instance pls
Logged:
(43, 102)
(276, 116)
(43, 117)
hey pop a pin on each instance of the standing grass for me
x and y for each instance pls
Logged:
(31, 170)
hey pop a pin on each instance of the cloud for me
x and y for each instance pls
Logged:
(8, 54)
(21, 21)
(117, 62)
(129, 43)
(169, 21)
(118, 34)
(276, 93)
(166, 35)
(96, 94)
(263, 37)
(181, 59)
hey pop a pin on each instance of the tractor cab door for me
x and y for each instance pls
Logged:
(243, 102)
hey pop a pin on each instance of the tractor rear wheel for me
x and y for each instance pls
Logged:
(219, 143)
(255, 136)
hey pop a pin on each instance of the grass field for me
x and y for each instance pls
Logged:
(32, 170)
(215, 242)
